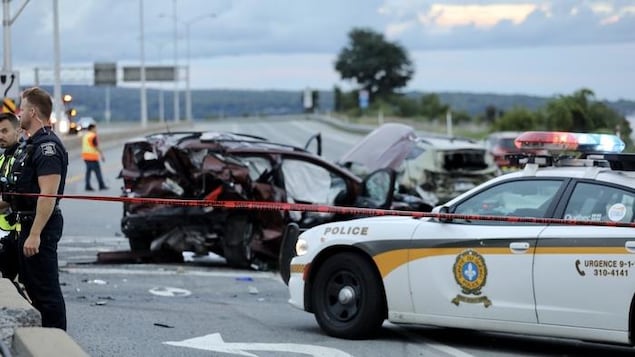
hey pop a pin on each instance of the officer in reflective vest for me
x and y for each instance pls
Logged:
(91, 155)
(10, 142)
(40, 169)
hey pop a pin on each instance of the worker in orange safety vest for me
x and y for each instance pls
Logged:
(91, 153)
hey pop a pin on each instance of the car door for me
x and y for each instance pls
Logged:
(585, 275)
(482, 269)
(309, 183)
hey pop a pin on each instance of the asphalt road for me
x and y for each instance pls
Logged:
(203, 308)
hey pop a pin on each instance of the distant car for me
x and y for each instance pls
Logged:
(229, 166)
(84, 122)
(76, 126)
(501, 144)
(434, 167)
(573, 281)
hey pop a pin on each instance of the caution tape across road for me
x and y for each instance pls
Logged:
(354, 211)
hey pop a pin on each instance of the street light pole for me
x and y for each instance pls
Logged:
(161, 96)
(7, 21)
(144, 99)
(57, 87)
(188, 92)
(176, 65)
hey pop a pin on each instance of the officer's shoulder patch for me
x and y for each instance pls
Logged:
(48, 149)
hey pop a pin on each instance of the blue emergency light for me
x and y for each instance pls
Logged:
(567, 141)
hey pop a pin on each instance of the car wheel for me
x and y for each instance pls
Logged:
(347, 297)
(236, 240)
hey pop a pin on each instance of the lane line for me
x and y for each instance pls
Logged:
(181, 270)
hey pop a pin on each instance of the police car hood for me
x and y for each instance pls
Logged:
(385, 147)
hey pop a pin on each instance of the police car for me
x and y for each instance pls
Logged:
(515, 274)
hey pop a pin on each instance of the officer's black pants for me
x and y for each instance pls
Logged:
(39, 273)
(9, 256)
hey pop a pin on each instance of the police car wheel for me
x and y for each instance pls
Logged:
(348, 298)
(236, 242)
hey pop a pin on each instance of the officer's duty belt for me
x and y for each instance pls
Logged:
(26, 216)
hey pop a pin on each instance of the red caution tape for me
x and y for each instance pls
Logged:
(356, 211)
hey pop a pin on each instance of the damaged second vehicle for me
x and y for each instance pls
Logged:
(433, 168)
(222, 166)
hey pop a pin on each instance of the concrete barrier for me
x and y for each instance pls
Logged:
(44, 342)
(21, 331)
(15, 312)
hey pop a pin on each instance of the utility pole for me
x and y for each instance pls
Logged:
(176, 65)
(7, 21)
(144, 99)
(188, 92)
(57, 86)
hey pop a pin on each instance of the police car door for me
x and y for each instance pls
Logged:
(482, 269)
(585, 275)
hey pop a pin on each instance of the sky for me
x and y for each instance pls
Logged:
(534, 47)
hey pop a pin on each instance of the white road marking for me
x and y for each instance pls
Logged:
(182, 271)
(169, 291)
(214, 342)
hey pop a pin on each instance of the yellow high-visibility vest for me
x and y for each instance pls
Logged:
(6, 168)
(89, 150)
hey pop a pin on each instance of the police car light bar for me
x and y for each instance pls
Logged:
(566, 141)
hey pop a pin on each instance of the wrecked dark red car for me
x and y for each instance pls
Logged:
(230, 166)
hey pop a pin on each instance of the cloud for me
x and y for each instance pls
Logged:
(104, 30)
(255, 42)
(496, 25)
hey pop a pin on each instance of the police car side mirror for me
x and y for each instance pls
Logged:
(444, 210)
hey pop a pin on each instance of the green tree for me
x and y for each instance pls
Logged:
(405, 107)
(461, 116)
(571, 112)
(580, 112)
(337, 99)
(491, 113)
(375, 64)
(432, 108)
(516, 119)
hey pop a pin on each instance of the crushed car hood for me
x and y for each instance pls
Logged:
(385, 147)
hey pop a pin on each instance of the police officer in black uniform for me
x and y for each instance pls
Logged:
(40, 169)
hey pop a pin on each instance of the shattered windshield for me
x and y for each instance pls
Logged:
(306, 182)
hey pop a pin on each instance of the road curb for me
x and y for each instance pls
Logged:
(21, 332)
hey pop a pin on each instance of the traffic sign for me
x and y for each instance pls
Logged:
(8, 106)
(105, 73)
(363, 99)
(153, 73)
(10, 84)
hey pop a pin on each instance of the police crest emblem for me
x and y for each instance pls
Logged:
(48, 149)
(470, 272)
